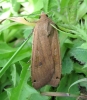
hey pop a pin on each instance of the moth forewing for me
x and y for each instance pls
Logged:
(42, 60)
(57, 60)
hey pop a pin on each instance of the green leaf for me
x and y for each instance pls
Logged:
(6, 53)
(83, 46)
(53, 5)
(32, 6)
(63, 48)
(67, 65)
(84, 84)
(80, 69)
(80, 54)
(6, 66)
(66, 81)
(78, 81)
(15, 5)
(82, 10)
(3, 27)
(39, 97)
(13, 74)
(3, 96)
(38, 4)
(16, 91)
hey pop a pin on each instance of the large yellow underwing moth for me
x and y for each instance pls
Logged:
(46, 63)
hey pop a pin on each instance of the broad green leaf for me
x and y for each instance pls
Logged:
(15, 5)
(82, 10)
(5, 14)
(83, 46)
(67, 65)
(63, 5)
(53, 5)
(3, 27)
(80, 54)
(46, 5)
(38, 4)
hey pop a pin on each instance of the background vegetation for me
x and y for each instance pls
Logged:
(15, 54)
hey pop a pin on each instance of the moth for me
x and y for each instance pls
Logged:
(46, 62)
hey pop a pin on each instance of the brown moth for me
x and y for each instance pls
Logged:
(46, 63)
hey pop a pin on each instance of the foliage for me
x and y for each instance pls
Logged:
(70, 16)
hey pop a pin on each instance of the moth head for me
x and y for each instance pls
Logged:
(43, 15)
